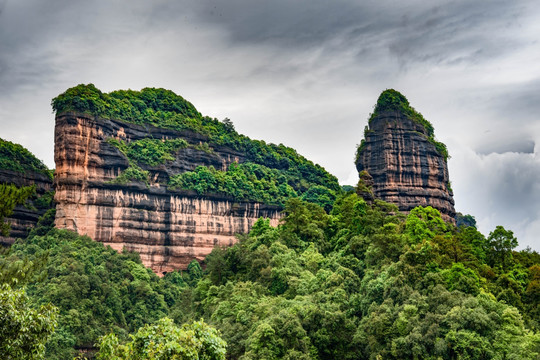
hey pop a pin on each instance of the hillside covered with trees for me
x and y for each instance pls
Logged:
(360, 282)
(342, 278)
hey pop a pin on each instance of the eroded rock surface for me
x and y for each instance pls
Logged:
(167, 228)
(407, 169)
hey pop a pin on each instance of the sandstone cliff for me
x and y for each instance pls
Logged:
(156, 177)
(168, 229)
(407, 165)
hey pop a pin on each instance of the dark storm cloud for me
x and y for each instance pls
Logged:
(449, 32)
(305, 73)
(35, 32)
(520, 103)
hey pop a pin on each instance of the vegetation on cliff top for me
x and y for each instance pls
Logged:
(148, 151)
(248, 181)
(163, 108)
(392, 100)
(17, 158)
(159, 107)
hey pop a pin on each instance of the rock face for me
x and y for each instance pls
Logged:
(167, 228)
(407, 168)
(24, 218)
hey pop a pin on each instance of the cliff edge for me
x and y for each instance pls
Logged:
(408, 167)
(145, 171)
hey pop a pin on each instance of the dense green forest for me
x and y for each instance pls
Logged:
(361, 282)
(267, 166)
(339, 278)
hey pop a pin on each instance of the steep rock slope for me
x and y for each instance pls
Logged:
(21, 168)
(407, 165)
(146, 172)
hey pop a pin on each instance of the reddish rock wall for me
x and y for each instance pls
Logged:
(168, 229)
(406, 168)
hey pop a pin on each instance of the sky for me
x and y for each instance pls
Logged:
(305, 73)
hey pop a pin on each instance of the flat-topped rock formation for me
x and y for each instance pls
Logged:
(167, 228)
(145, 171)
(407, 165)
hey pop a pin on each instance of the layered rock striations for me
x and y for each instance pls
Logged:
(120, 164)
(167, 228)
(407, 165)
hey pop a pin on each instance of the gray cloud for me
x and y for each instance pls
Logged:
(303, 73)
(500, 189)
(518, 145)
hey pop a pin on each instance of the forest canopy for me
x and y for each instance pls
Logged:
(361, 282)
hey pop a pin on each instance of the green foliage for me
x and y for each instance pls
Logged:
(365, 282)
(441, 149)
(10, 197)
(132, 173)
(17, 158)
(360, 282)
(24, 329)
(163, 108)
(392, 100)
(458, 277)
(96, 289)
(321, 196)
(424, 223)
(465, 220)
(44, 201)
(151, 152)
(243, 182)
(163, 341)
(501, 242)
(252, 182)
(150, 105)
(364, 185)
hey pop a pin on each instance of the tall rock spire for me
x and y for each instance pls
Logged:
(399, 151)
